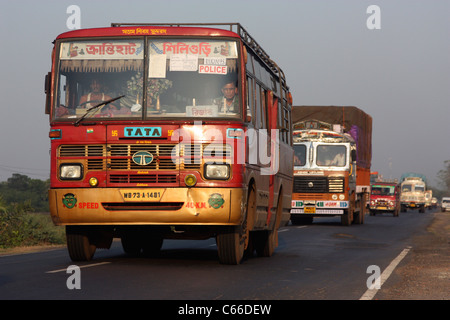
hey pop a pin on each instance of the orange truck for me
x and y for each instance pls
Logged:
(332, 159)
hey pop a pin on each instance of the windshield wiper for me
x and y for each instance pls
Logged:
(104, 103)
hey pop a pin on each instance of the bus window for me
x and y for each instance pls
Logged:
(250, 100)
(91, 72)
(193, 78)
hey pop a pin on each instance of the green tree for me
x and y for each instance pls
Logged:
(20, 189)
(444, 176)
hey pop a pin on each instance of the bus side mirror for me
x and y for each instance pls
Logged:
(47, 88)
(353, 155)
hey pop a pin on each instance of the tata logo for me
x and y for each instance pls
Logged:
(142, 158)
(142, 132)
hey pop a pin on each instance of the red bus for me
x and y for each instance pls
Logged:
(168, 132)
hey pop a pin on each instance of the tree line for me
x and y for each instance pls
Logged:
(21, 193)
(21, 198)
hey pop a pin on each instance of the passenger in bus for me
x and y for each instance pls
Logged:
(229, 102)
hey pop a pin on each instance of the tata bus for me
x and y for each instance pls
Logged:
(168, 131)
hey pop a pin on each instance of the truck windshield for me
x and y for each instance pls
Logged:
(331, 155)
(419, 188)
(182, 78)
(383, 191)
(406, 188)
(299, 155)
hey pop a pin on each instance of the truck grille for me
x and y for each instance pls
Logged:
(318, 185)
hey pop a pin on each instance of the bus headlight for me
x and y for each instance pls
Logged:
(217, 171)
(72, 171)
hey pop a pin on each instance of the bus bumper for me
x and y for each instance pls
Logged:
(147, 206)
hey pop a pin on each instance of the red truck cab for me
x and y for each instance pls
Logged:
(384, 197)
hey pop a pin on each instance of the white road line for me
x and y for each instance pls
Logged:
(85, 266)
(370, 293)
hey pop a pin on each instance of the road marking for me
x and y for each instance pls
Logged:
(370, 293)
(85, 266)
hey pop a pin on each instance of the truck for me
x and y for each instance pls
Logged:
(413, 187)
(428, 199)
(384, 197)
(332, 159)
(445, 204)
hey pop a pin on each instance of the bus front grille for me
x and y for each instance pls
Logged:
(168, 160)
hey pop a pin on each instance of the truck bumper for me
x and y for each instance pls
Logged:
(155, 206)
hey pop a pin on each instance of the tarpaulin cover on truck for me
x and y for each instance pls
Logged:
(354, 121)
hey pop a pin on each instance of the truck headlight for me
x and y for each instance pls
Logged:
(217, 171)
(72, 171)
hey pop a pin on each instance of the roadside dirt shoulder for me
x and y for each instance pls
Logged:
(425, 272)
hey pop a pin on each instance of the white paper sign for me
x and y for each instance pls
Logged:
(215, 61)
(157, 67)
(183, 62)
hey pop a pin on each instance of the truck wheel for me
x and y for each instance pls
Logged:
(131, 243)
(347, 217)
(79, 243)
(359, 217)
(230, 245)
(396, 212)
(152, 245)
(422, 209)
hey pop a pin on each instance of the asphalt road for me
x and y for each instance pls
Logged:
(323, 261)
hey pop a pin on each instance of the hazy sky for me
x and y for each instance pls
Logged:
(399, 74)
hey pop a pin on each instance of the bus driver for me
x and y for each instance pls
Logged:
(95, 96)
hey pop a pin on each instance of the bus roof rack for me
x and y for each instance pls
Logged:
(245, 36)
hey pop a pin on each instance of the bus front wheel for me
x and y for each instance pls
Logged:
(230, 245)
(79, 243)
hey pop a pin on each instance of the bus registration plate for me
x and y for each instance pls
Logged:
(310, 210)
(141, 195)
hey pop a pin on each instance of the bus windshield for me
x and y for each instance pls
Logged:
(182, 78)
